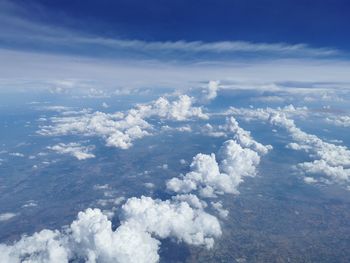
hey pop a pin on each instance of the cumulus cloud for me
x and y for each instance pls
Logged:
(45, 246)
(204, 176)
(310, 180)
(121, 129)
(93, 239)
(183, 161)
(75, 149)
(238, 158)
(317, 167)
(329, 160)
(244, 138)
(209, 130)
(144, 221)
(223, 213)
(191, 199)
(250, 114)
(342, 121)
(172, 219)
(210, 92)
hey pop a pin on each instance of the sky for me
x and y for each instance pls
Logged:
(216, 92)
(87, 40)
(321, 23)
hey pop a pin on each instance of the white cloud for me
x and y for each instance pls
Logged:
(191, 199)
(185, 128)
(29, 204)
(121, 129)
(45, 246)
(101, 187)
(238, 158)
(115, 201)
(6, 216)
(105, 105)
(342, 121)
(149, 185)
(16, 154)
(210, 92)
(330, 160)
(321, 167)
(57, 108)
(172, 219)
(205, 175)
(223, 213)
(244, 138)
(264, 114)
(75, 149)
(180, 109)
(209, 130)
(237, 161)
(310, 180)
(91, 238)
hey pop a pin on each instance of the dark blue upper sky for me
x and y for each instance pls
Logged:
(314, 22)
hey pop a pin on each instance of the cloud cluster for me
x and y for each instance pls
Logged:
(91, 238)
(329, 160)
(144, 221)
(121, 129)
(174, 219)
(342, 121)
(179, 110)
(250, 114)
(238, 158)
(75, 149)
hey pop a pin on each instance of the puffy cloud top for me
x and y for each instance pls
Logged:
(210, 92)
(121, 129)
(211, 178)
(333, 160)
(244, 138)
(238, 158)
(330, 160)
(91, 238)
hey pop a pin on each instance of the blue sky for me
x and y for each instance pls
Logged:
(318, 23)
(173, 41)
(315, 23)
